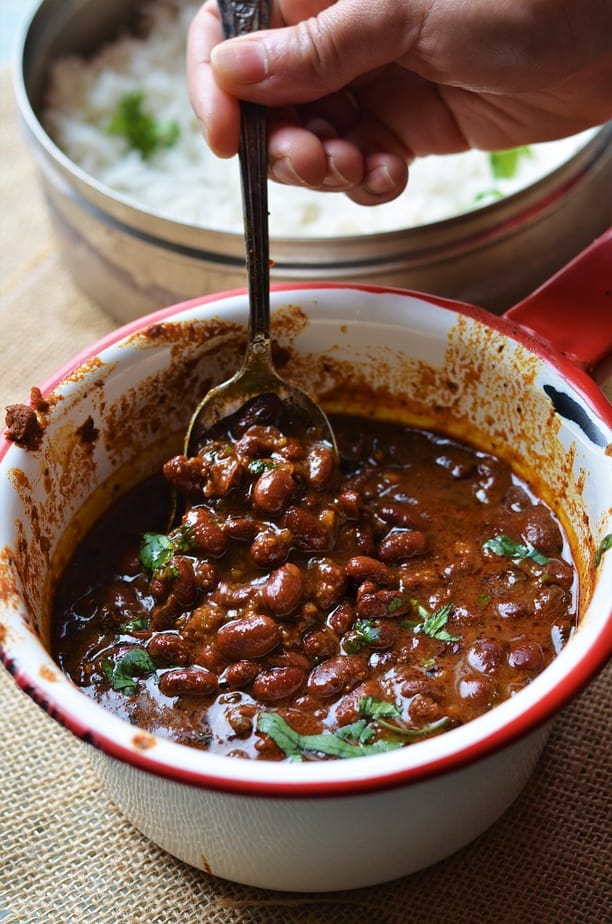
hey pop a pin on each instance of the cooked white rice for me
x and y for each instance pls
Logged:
(187, 183)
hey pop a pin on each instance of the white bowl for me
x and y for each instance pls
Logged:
(333, 824)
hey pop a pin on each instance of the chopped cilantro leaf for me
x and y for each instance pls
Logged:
(517, 551)
(363, 634)
(374, 708)
(122, 674)
(135, 625)
(141, 131)
(295, 745)
(505, 164)
(260, 466)
(156, 550)
(604, 545)
(433, 624)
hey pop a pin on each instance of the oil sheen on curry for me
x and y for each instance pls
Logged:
(294, 614)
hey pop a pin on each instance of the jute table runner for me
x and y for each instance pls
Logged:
(67, 856)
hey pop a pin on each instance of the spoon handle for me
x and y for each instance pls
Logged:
(240, 17)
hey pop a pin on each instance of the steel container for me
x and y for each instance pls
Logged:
(132, 261)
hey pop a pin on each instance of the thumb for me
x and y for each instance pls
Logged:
(319, 55)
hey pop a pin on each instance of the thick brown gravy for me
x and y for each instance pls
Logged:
(290, 616)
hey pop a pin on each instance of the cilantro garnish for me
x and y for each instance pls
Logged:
(135, 625)
(517, 551)
(363, 634)
(141, 131)
(156, 550)
(351, 740)
(604, 545)
(122, 674)
(433, 623)
(296, 746)
(260, 466)
(505, 164)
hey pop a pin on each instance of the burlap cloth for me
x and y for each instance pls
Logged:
(67, 856)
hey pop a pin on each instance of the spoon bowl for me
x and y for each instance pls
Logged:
(257, 375)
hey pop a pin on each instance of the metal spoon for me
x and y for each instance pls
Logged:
(257, 375)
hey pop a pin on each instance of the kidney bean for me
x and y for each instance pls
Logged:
(393, 603)
(402, 544)
(164, 615)
(337, 675)
(466, 559)
(188, 475)
(308, 533)
(424, 709)
(362, 568)
(320, 644)
(347, 708)
(273, 489)
(363, 540)
(288, 659)
(320, 465)
(526, 656)
(184, 585)
(485, 656)
(249, 637)
(235, 595)
(278, 683)
(240, 674)
(552, 600)
(188, 681)
(558, 572)
(399, 513)
(388, 631)
(243, 527)
(350, 503)
(293, 450)
(283, 590)
(342, 618)
(169, 648)
(478, 692)
(225, 475)
(516, 499)
(270, 548)
(205, 532)
(240, 722)
(513, 608)
(328, 581)
(262, 410)
(415, 577)
(211, 658)
(541, 531)
(205, 575)
(260, 441)
(120, 602)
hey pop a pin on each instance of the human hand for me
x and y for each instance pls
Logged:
(357, 89)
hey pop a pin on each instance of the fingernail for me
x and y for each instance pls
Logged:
(337, 181)
(282, 171)
(243, 60)
(379, 182)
